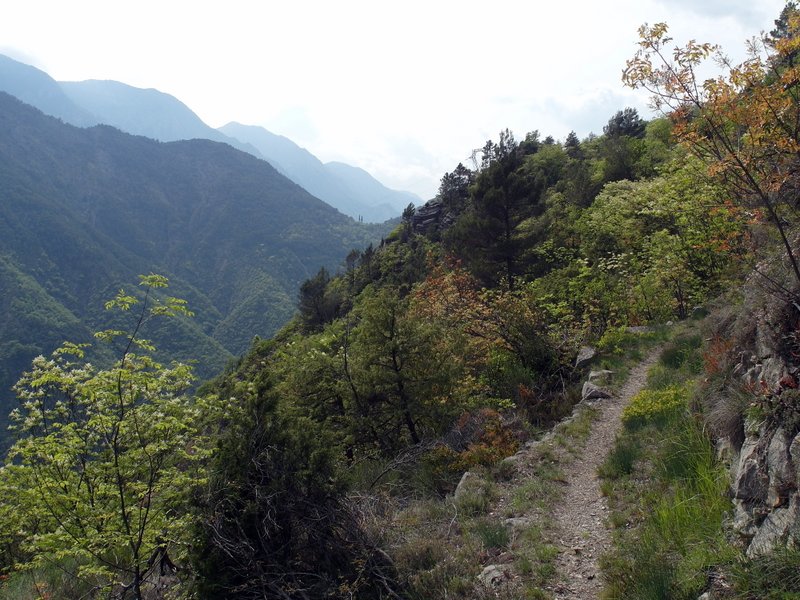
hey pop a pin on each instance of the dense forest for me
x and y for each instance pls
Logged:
(308, 468)
(84, 211)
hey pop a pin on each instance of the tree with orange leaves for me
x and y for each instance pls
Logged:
(745, 124)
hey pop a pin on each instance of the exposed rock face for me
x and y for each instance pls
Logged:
(765, 491)
(794, 456)
(585, 356)
(780, 527)
(750, 482)
(765, 471)
(782, 479)
(592, 392)
(432, 214)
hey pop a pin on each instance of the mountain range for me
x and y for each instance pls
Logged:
(83, 211)
(160, 116)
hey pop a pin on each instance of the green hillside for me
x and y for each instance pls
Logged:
(84, 211)
(620, 311)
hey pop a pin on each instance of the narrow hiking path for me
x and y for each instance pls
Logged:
(579, 519)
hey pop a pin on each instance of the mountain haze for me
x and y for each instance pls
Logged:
(350, 189)
(37, 88)
(163, 117)
(365, 185)
(146, 112)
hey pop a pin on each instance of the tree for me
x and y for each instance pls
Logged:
(744, 124)
(106, 456)
(274, 521)
(402, 371)
(454, 189)
(572, 146)
(622, 145)
(318, 303)
(486, 236)
(625, 123)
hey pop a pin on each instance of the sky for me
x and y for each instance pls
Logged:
(405, 90)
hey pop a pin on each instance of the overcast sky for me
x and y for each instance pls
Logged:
(403, 89)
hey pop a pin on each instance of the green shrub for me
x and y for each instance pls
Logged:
(655, 406)
(616, 340)
(492, 534)
(473, 502)
(684, 353)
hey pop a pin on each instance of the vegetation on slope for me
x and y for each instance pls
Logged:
(84, 211)
(442, 349)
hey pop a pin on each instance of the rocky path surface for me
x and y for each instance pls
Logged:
(580, 518)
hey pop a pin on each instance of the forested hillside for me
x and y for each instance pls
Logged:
(359, 451)
(84, 211)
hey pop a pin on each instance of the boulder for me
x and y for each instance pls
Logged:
(517, 523)
(592, 392)
(585, 356)
(494, 575)
(603, 375)
(470, 482)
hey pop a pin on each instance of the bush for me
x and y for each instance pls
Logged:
(493, 535)
(275, 505)
(616, 339)
(683, 353)
(655, 407)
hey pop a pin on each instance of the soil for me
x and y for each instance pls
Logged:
(580, 529)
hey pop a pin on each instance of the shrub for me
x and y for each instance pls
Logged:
(684, 353)
(655, 406)
(615, 340)
(492, 534)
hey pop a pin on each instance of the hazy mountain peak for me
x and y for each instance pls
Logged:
(350, 189)
(37, 88)
(161, 116)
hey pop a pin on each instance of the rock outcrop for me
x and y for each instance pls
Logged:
(765, 470)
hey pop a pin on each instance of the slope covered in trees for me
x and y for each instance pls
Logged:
(86, 210)
(320, 458)
(437, 351)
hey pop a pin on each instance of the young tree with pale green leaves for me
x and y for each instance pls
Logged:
(104, 458)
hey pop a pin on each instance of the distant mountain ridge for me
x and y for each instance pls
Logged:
(37, 88)
(350, 189)
(160, 116)
(146, 112)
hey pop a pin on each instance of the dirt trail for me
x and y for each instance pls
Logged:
(580, 530)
